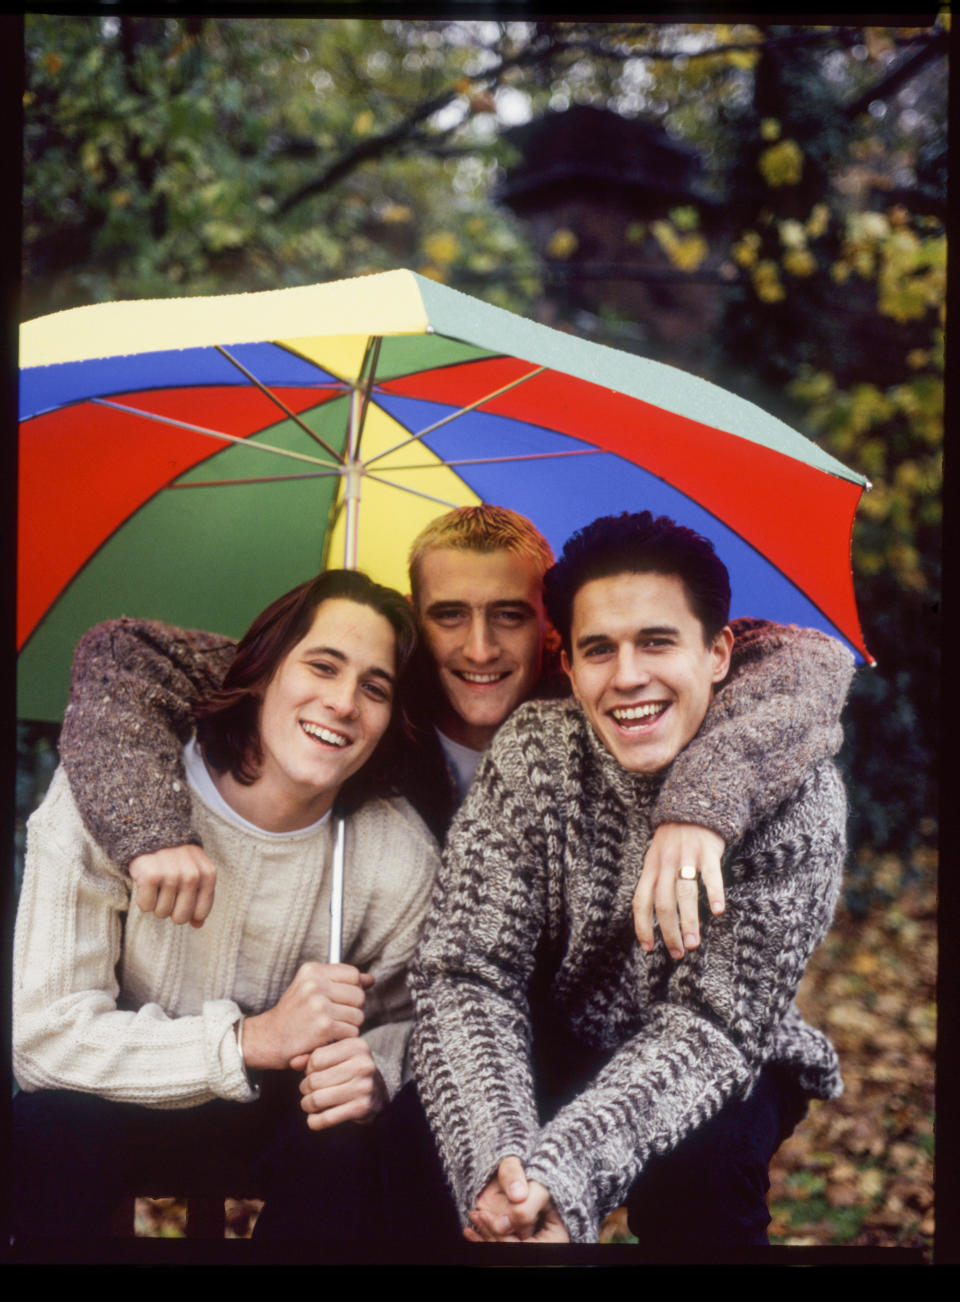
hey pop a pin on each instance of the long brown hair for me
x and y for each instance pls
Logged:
(228, 720)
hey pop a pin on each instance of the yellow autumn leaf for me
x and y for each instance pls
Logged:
(363, 123)
(799, 262)
(441, 247)
(782, 164)
(818, 221)
(685, 219)
(396, 212)
(770, 129)
(766, 282)
(688, 253)
(792, 234)
(562, 243)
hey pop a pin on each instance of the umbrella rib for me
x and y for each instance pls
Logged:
(257, 479)
(495, 461)
(216, 434)
(273, 398)
(462, 411)
(372, 356)
(378, 479)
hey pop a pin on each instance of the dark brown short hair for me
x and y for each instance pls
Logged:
(639, 543)
(228, 719)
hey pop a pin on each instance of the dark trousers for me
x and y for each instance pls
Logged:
(708, 1192)
(76, 1156)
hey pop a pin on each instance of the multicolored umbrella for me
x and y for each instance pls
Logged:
(189, 459)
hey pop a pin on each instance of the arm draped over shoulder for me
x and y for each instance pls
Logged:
(132, 694)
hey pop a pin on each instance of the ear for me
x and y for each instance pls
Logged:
(568, 670)
(720, 652)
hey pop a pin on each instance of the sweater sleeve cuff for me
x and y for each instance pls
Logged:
(228, 1073)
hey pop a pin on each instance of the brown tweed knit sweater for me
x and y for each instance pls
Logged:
(534, 896)
(135, 685)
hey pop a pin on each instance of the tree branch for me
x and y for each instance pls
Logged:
(894, 79)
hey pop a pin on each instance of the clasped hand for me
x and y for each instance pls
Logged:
(314, 1027)
(513, 1209)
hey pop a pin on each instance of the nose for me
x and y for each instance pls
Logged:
(340, 698)
(480, 647)
(631, 671)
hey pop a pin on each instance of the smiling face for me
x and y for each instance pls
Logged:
(323, 713)
(640, 668)
(484, 625)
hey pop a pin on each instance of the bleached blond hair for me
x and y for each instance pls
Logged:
(480, 529)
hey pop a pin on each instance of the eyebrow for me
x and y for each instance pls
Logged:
(339, 655)
(512, 603)
(654, 630)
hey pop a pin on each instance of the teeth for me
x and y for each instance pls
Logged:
(481, 678)
(638, 712)
(333, 738)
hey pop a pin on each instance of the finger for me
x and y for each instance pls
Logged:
(299, 1062)
(344, 973)
(667, 917)
(712, 876)
(166, 899)
(353, 1070)
(335, 1116)
(513, 1180)
(506, 1225)
(470, 1234)
(482, 1222)
(344, 1016)
(346, 996)
(147, 892)
(184, 905)
(688, 906)
(334, 1096)
(329, 1055)
(204, 900)
(643, 906)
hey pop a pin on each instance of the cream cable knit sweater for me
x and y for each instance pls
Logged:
(112, 1001)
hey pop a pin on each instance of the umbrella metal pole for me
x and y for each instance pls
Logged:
(336, 892)
(351, 483)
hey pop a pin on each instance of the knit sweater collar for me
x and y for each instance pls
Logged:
(631, 788)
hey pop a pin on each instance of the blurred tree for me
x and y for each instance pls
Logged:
(188, 155)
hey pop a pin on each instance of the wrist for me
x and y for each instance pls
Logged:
(255, 1046)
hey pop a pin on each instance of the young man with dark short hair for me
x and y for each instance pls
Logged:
(564, 1068)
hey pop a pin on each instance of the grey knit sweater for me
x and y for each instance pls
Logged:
(540, 867)
(135, 684)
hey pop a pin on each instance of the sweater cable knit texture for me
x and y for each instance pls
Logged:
(540, 869)
(112, 1001)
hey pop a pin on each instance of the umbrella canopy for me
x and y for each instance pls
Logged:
(190, 459)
